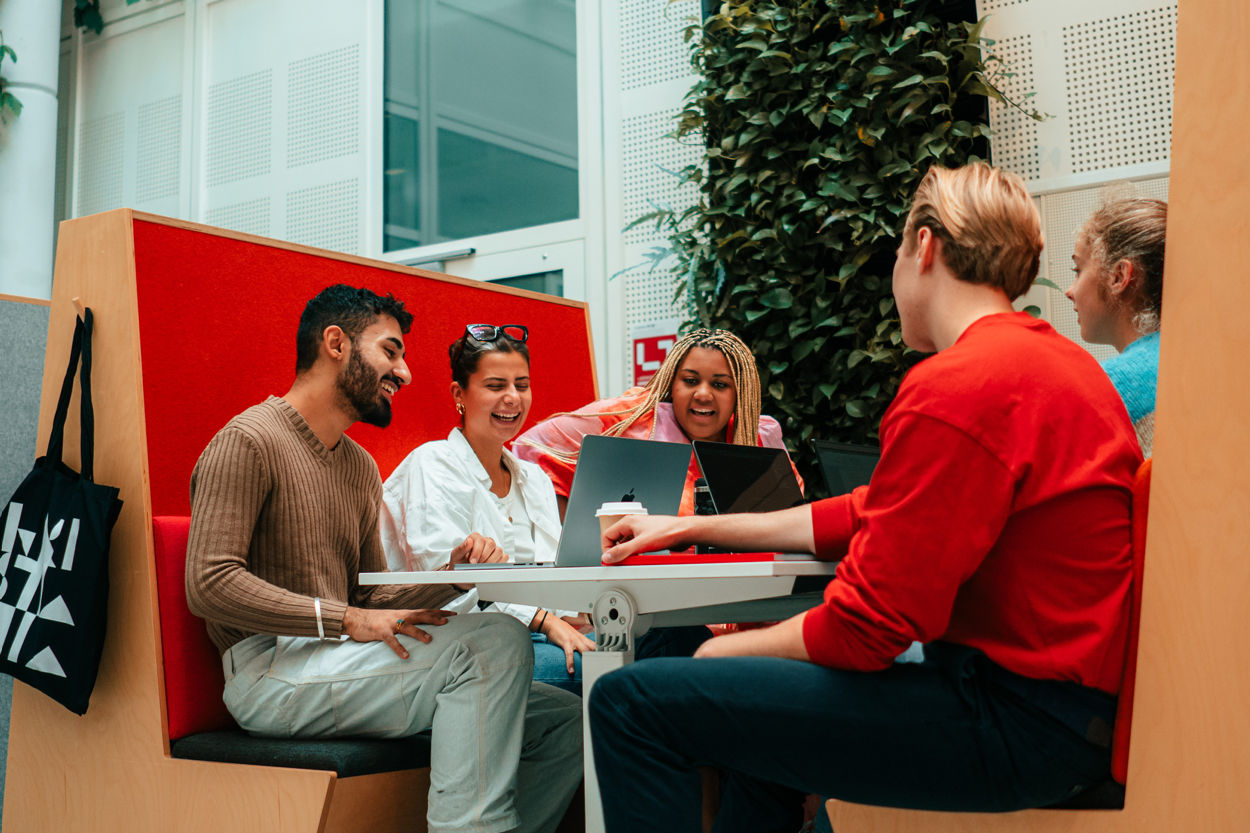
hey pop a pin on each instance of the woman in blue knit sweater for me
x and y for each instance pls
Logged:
(1118, 296)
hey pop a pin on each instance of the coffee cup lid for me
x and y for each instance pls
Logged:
(622, 508)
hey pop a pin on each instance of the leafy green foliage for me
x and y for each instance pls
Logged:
(819, 119)
(87, 14)
(9, 104)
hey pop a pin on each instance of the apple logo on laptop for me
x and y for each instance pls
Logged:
(628, 497)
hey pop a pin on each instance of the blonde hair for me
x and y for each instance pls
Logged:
(989, 227)
(1135, 230)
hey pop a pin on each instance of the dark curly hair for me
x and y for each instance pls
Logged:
(352, 309)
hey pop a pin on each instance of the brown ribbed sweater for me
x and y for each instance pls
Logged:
(278, 519)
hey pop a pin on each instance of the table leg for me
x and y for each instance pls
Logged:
(594, 665)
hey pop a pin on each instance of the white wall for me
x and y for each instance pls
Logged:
(249, 114)
(1103, 73)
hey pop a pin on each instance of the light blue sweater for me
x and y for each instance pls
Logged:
(1135, 374)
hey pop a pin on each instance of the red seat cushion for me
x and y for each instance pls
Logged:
(1124, 709)
(193, 676)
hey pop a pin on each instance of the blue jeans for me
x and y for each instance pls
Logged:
(955, 732)
(551, 668)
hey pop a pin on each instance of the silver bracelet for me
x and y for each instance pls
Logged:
(321, 631)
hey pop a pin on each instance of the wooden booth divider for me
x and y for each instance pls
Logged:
(192, 326)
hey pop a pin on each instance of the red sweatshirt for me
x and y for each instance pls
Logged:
(998, 516)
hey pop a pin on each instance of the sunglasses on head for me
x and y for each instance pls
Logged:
(492, 332)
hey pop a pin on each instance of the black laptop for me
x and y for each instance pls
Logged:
(845, 466)
(746, 478)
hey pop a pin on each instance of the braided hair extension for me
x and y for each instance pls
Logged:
(741, 365)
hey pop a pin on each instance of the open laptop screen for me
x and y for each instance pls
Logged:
(845, 467)
(744, 478)
(615, 469)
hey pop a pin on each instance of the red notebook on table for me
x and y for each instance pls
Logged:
(644, 559)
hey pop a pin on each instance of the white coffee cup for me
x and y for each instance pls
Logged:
(612, 511)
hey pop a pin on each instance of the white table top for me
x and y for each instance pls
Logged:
(654, 587)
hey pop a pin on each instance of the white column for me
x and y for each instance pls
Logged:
(28, 148)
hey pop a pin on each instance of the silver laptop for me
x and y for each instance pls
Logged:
(617, 469)
(613, 469)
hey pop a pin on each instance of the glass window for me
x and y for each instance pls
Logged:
(551, 283)
(481, 118)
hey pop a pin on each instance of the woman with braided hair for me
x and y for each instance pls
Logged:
(708, 388)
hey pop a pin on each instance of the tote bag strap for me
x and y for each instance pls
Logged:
(56, 439)
(87, 418)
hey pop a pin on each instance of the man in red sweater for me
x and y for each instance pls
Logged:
(995, 529)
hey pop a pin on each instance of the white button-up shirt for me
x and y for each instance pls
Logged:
(441, 492)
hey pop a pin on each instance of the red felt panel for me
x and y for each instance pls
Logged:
(193, 675)
(217, 322)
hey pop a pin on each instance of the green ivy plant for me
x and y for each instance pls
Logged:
(819, 119)
(9, 103)
(87, 14)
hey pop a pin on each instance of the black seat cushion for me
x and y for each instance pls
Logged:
(1107, 795)
(346, 756)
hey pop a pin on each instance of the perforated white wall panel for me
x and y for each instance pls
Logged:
(1119, 88)
(1014, 133)
(159, 149)
(324, 112)
(102, 149)
(128, 130)
(285, 120)
(653, 164)
(239, 140)
(1102, 71)
(654, 75)
(647, 29)
(252, 217)
(325, 215)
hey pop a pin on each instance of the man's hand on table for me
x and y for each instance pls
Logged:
(644, 533)
(370, 625)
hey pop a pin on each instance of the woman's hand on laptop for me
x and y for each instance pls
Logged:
(477, 549)
(644, 533)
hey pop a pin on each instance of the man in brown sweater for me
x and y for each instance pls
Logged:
(284, 517)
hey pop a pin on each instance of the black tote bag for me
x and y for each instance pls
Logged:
(54, 542)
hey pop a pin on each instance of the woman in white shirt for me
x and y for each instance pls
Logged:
(454, 493)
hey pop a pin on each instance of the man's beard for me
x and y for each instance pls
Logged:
(361, 386)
